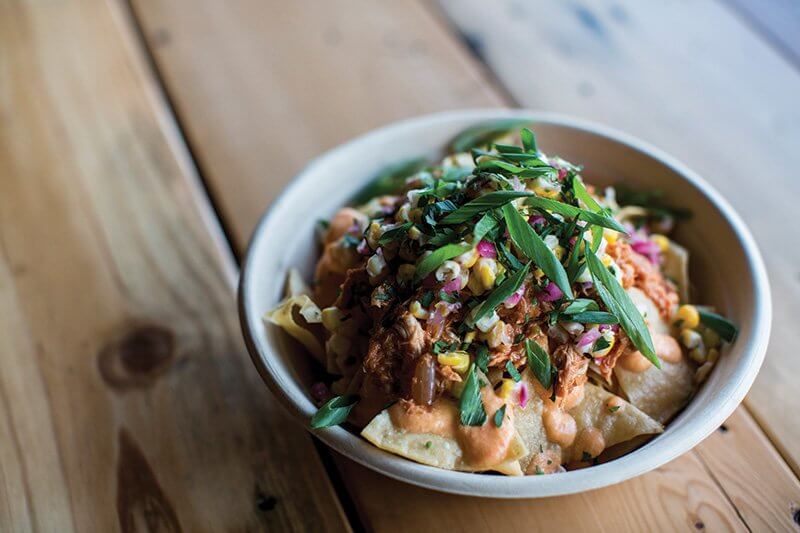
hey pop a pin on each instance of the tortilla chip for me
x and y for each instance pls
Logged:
(649, 311)
(676, 268)
(283, 316)
(622, 425)
(434, 450)
(659, 393)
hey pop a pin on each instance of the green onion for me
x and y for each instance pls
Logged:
(583, 195)
(334, 412)
(555, 206)
(501, 293)
(528, 140)
(482, 357)
(721, 325)
(499, 415)
(621, 306)
(535, 249)
(471, 405)
(395, 234)
(539, 363)
(431, 262)
(591, 317)
(580, 305)
(484, 133)
(482, 204)
(512, 371)
(486, 224)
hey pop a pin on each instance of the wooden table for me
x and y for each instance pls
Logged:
(140, 141)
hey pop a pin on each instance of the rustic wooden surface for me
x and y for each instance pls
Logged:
(126, 399)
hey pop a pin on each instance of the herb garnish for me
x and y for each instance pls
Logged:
(532, 245)
(539, 363)
(499, 415)
(503, 291)
(433, 261)
(485, 133)
(591, 317)
(471, 405)
(575, 212)
(620, 304)
(721, 325)
(334, 412)
(395, 234)
(482, 204)
(513, 372)
(482, 357)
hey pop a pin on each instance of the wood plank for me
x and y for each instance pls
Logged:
(611, 64)
(299, 76)
(777, 20)
(765, 506)
(127, 401)
(693, 494)
(676, 497)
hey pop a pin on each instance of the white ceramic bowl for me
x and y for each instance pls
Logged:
(725, 265)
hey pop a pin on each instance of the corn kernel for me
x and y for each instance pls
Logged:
(486, 272)
(605, 351)
(559, 252)
(690, 338)
(448, 271)
(414, 233)
(402, 213)
(688, 316)
(538, 274)
(711, 338)
(607, 260)
(405, 272)
(331, 317)
(373, 234)
(610, 236)
(661, 241)
(467, 259)
(417, 311)
(458, 360)
(699, 354)
(506, 388)
(469, 337)
(376, 265)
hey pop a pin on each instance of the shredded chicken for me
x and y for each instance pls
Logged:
(639, 272)
(572, 367)
(606, 364)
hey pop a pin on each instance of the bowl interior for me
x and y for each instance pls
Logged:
(725, 269)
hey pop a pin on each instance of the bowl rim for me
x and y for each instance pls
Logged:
(641, 460)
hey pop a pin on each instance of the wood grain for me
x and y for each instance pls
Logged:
(278, 82)
(684, 494)
(127, 402)
(690, 97)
